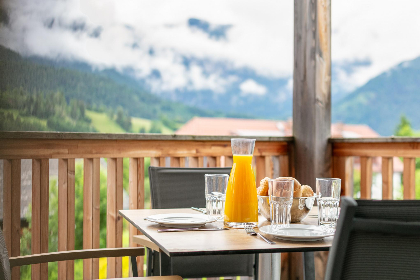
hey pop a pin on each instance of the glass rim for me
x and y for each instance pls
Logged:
(216, 175)
(328, 179)
(243, 139)
(281, 180)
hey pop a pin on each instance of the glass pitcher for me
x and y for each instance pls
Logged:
(241, 205)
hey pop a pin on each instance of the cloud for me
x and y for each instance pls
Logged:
(251, 87)
(155, 38)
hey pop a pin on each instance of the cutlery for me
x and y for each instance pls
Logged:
(190, 229)
(199, 210)
(250, 230)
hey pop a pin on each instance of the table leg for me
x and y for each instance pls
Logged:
(269, 266)
(275, 266)
(309, 265)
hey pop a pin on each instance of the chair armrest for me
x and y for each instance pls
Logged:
(75, 255)
(146, 242)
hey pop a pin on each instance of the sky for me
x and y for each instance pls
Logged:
(154, 38)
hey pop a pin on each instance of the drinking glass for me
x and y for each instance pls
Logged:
(328, 199)
(281, 200)
(216, 193)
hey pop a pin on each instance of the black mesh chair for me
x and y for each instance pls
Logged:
(184, 188)
(376, 240)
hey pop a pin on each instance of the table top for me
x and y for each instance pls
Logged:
(232, 241)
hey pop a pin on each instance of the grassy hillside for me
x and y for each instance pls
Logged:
(384, 99)
(96, 91)
(102, 123)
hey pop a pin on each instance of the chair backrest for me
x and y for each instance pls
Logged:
(4, 259)
(376, 240)
(179, 187)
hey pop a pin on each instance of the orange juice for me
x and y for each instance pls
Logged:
(241, 204)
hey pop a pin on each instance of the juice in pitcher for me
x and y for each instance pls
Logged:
(241, 205)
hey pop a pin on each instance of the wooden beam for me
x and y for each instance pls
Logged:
(365, 177)
(311, 99)
(260, 165)
(409, 179)
(45, 148)
(96, 202)
(211, 162)
(44, 212)
(377, 149)
(71, 221)
(192, 161)
(36, 216)
(62, 214)
(387, 177)
(87, 214)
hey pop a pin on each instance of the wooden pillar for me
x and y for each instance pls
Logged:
(312, 97)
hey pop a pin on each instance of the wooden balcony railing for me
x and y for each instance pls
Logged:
(346, 150)
(271, 159)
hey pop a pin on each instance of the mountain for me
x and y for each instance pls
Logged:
(96, 90)
(382, 101)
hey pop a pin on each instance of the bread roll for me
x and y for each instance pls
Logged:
(307, 191)
(262, 190)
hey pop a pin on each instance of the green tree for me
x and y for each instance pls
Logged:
(404, 127)
(155, 127)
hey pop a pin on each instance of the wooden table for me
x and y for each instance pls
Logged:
(233, 241)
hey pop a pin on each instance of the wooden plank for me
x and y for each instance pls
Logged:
(393, 149)
(15, 215)
(7, 204)
(343, 169)
(62, 214)
(192, 161)
(211, 162)
(312, 95)
(219, 161)
(409, 179)
(96, 185)
(284, 166)
(145, 242)
(87, 214)
(200, 161)
(44, 213)
(111, 210)
(228, 161)
(70, 214)
(36, 217)
(119, 220)
(136, 197)
(260, 162)
(387, 177)
(365, 177)
(175, 162)
(182, 162)
(44, 148)
(269, 171)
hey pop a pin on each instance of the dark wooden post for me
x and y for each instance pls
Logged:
(312, 99)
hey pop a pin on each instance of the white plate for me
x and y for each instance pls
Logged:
(181, 219)
(297, 232)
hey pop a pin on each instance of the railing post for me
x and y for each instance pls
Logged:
(365, 177)
(409, 180)
(387, 177)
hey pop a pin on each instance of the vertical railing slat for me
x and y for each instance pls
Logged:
(87, 214)
(193, 162)
(365, 177)
(111, 209)
(260, 162)
(119, 219)
(211, 162)
(200, 161)
(228, 161)
(96, 185)
(269, 172)
(175, 162)
(36, 217)
(11, 209)
(136, 197)
(44, 212)
(284, 166)
(387, 177)
(62, 214)
(218, 161)
(343, 169)
(70, 214)
(409, 179)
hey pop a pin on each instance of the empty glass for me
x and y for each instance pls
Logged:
(216, 193)
(328, 198)
(281, 200)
